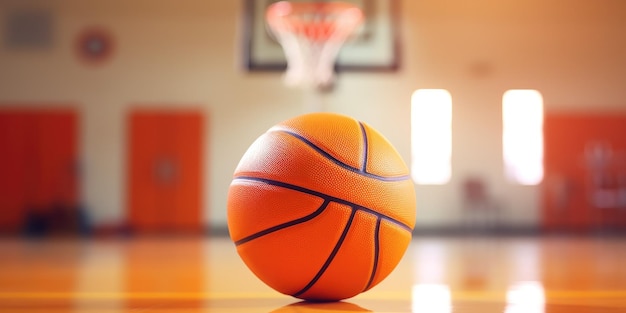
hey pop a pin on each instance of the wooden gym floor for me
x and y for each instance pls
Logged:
(191, 274)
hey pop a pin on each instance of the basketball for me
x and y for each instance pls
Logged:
(321, 207)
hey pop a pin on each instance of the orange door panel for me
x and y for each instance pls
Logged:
(188, 152)
(142, 193)
(165, 171)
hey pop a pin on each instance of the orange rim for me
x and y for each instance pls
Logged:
(317, 21)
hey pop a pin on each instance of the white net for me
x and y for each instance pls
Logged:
(312, 35)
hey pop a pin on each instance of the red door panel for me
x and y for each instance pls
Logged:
(12, 171)
(585, 171)
(37, 163)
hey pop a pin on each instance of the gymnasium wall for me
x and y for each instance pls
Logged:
(187, 54)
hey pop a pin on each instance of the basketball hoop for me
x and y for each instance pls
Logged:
(311, 34)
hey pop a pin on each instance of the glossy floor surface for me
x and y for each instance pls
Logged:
(437, 274)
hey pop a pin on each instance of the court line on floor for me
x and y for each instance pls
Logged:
(134, 295)
(456, 295)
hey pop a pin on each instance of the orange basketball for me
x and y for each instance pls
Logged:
(321, 207)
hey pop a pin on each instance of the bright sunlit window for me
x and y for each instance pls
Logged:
(431, 136)
(522, 136)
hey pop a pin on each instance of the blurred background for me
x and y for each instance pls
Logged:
(129, 117)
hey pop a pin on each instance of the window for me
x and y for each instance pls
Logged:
(522, 136)
(431, 136)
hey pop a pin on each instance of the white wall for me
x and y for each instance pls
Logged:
(187, 53)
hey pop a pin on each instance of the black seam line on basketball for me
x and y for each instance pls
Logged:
(364, 157)
(284, 225)
(376, 253)
(330, 257)
(339, 163)
(325, 197)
